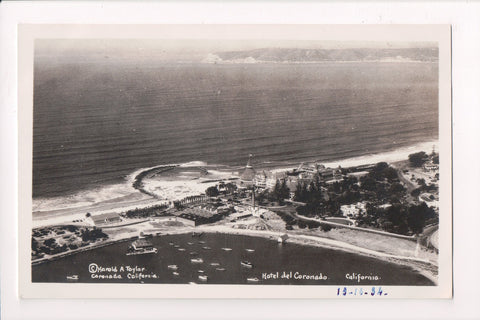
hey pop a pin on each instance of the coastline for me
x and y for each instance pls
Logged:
(424, 267)
(111, 194)
(133, 198)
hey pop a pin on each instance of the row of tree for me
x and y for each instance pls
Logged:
(399, 219)
(92, 234)
(418, 159)
(290, 221)
(280, 191)
(157, 210)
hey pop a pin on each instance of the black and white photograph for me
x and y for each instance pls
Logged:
(255, 162)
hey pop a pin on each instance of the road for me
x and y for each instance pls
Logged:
(339, 225)
(429, 237)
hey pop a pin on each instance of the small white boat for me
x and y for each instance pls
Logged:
(227, 249)
(190, 243)
(202, 242)
(176, 246)
(250, 250)
(73, 277)
(193, 253)
(214, 264)
(181, 249)
(170, 243)
(220, 269)
(201, 271)
(246, 264)
(203, 277)
(172, 267)
(197, 260)
(175, 273)
(253, 279)
(191, 282)
(206, 248)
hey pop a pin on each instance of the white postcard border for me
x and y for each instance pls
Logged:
(27, 34)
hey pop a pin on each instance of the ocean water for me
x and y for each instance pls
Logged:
(269, 257)
(97, 121)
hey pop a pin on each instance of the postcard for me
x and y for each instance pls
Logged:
(235, 161)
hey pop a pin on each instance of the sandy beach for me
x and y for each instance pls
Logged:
(122, 197)
(186, 182)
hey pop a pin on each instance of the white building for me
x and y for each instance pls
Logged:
(353, 210)
(430, 166)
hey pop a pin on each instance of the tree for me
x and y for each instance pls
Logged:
(396, 189)
(398, 218)
(280, 191)
(34, 244)
(230, 187)
(49, 242)
(326, 227)
(368, 183)
(313, 224)
(418, 159)
(177, 205)
(416, 192)
(92, 235)
(418, 216)
(300, 192)
(383, 171)
(390, 173)
(380, 167)
(260, 198)
(212, 191)
(284, 191)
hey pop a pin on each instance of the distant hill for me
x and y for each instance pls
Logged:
(321, 55)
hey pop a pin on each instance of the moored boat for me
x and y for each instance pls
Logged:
(206, 248)
(246, 264)
(172, 267)
(203, 277)
(196, 260)
(73, 277)
(255, 279)
(250, 250)
(214, 264)
(227, 249)
(175, 273)
(220, 269)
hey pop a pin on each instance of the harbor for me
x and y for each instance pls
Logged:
(217, 266)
